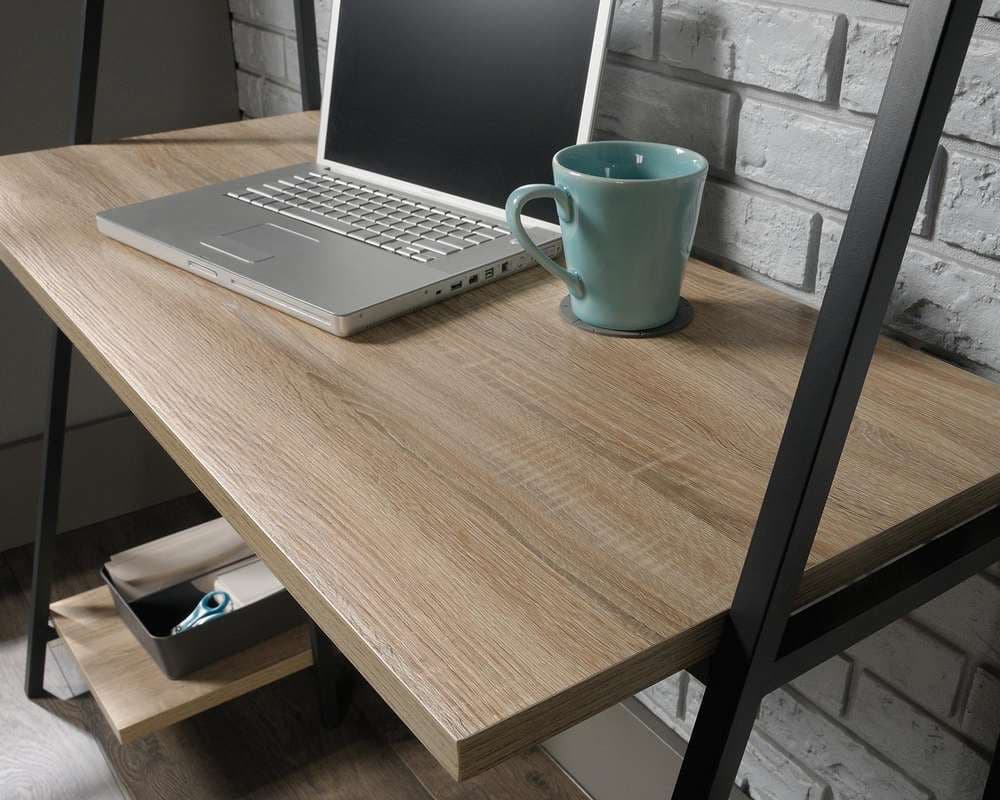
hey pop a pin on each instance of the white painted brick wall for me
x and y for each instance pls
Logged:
(777, 47)
(648, 106)
(974, 114)
(778, 147)
(780, 97)
(267, 56)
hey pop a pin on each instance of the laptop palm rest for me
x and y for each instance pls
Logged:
(258, 242)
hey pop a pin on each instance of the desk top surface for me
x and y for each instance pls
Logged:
(507, 524)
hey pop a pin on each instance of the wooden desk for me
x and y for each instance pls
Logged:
(505, 523)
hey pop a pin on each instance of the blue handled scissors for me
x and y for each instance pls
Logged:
(212, 605)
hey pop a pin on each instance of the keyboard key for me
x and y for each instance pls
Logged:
(476, 238)
(434, 247)
(454, 241)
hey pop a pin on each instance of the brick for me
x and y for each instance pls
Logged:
(757, 232)
(666, 700)
(968, 616)
(727, 40)
(259, 51)
(324, 10)
(975, 112)
(778, 146)
(948, 305)
(981, 720)
(853, 770)
(917, 743)
(991, 8)
(970, 205)
(769, 773)
(921, 665)
(871, 46)
(643, 105)
(277, 99)
(272, 13)
(827, 684)
(632, 32)
(292, 62)
(250, 91)
(829, 244)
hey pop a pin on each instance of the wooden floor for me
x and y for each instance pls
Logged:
(268, 744)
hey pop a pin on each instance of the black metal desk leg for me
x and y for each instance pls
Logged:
(92, 23)
(305, 31)
(903, 144)
(39, 633)
(334, 677)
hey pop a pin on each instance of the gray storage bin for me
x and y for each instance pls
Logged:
(151, 619)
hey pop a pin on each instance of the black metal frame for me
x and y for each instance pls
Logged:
(766, 642)
(305, 28)
(335, 676)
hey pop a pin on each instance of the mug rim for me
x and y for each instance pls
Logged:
(676, 149)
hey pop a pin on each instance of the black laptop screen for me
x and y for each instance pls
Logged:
(469, 97)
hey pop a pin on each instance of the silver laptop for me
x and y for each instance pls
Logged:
(433, 112)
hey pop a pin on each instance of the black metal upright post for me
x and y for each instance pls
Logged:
(53, 436)
(39, 633)
(334, 677)
(902, 148)
(305, 29)
(88, 64)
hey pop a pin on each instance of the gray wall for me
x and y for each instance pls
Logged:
(165, 64)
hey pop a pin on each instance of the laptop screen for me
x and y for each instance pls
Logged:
(469, 97)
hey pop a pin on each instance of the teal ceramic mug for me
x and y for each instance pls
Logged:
(628, 213)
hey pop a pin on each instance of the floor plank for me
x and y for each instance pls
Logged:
(268, 745)
(46, 752)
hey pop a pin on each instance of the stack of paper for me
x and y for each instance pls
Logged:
(200, 552)
(248, 583)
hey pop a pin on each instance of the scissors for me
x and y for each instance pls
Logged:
(212, 605)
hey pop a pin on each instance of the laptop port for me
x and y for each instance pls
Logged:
(456, 286)
(489, 273)
(503, 266)
(473, 279)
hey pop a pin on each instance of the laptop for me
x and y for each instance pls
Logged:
(433, 112)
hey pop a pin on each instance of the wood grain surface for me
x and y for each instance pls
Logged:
(266, 745)
(505, 523)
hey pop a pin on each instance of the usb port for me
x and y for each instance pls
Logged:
(455, 286)
(489, 273)
(503, 267)
(473, 279)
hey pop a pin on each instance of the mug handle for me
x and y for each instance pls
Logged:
(564, 203)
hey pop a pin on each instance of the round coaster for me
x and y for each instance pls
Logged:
(683, 317)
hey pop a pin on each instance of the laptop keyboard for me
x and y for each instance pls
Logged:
(371, 215)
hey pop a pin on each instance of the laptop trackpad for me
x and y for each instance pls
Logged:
(258, 243)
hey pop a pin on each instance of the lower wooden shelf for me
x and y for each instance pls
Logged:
(136, 697)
